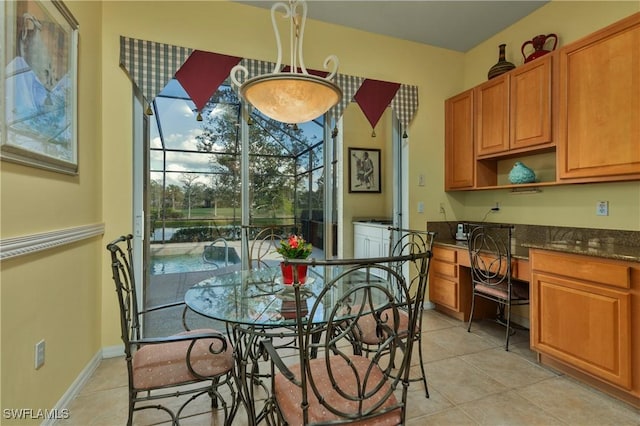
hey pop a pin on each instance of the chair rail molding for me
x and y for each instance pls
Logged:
(27, 244)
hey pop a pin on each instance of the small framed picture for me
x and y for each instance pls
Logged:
(39, 81)
(364, 170)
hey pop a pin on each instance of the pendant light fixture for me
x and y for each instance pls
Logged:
(293, 96)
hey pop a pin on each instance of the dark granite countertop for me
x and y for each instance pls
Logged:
(520, 252)
(608, 244)
(607, 251)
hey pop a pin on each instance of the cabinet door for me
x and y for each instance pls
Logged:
(599, 104)
(492, 116)
(583, 325)
(458, 149)
(360, 246)
(443, 292)
(530, 104)
(361, 237)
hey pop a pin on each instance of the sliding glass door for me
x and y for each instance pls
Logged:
(204, 177)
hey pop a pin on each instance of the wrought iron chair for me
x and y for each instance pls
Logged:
(262, 243)
(490, 248)
(193, 363)
(338, 387)
(402, 242)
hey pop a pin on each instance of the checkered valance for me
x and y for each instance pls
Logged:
(151, 65)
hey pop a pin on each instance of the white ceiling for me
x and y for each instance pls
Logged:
(454, 24)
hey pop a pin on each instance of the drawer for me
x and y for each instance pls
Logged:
(443, 268)
(520, 269)
(443, 292)
(445, 254)
(585, 268)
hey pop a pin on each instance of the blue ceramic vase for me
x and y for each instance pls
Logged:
(521, 174)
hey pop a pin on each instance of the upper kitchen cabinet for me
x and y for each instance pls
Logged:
(513, 111)
(530, 104)
(599, 105)
(492, 116)
(459, 154)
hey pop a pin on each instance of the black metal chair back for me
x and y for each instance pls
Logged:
(410, 241)
(124, 279)
(337, 386)
(490, 256)
(185, 365)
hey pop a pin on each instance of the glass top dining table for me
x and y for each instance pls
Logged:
(257, 298)
(254, 304)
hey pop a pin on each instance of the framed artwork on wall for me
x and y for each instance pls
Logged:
(39, 78)
(364, 170)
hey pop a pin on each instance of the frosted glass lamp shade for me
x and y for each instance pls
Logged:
(291, 98)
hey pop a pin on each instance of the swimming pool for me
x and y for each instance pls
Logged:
(180, 263)
(173, 264)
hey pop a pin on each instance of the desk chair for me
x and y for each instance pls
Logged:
(490, 248)
(194, 362)
(338, 387)
(402, 242)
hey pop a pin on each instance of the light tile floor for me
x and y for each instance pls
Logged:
(472, 381)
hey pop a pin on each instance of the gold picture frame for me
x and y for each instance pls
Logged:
(39, 77)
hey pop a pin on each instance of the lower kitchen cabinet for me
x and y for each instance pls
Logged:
(449, 283)
(583, 313)
(370, 240)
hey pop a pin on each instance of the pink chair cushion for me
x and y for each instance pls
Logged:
(367, 326)
(165, 363)
(519, 290)
(289, 396)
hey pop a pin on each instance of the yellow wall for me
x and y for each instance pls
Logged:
(357, 134)
(571, 205)
(55, 294)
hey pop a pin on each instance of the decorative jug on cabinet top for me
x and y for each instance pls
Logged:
(538, 43)
(502, 65)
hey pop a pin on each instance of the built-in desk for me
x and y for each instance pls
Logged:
(450, 278)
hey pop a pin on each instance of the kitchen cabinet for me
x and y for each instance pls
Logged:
(370, 240)
(450, 282)
(491, 116)
(504, 117)
(580, 104)
(583, 311)
(530, 109)
(599, 105)
(459, 151)
(513, 111)
(444, 283)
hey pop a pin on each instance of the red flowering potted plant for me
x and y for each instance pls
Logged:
(294, 247)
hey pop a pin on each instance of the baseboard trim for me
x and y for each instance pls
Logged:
(76, 386)
(112, 351)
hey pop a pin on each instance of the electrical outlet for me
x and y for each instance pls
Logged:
(442, 208)
(39, 355)
(602, 208)
(421, 180)
(420, 207)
